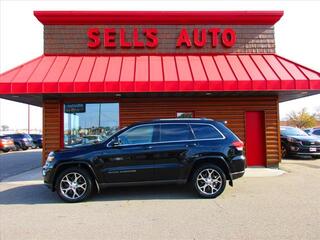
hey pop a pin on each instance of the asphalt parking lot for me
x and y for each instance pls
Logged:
(282, 207)
(13, 163)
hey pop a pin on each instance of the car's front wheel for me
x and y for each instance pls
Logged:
(284, 152)
(316, 157)
(209, 181)
(74, 185)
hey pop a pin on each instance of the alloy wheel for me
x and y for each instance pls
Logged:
(73, 185)
(209, 181)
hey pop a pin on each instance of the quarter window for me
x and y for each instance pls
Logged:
(138, 135)
(203, 131)
(175, 132)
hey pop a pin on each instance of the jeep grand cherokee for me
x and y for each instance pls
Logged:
(201, 152)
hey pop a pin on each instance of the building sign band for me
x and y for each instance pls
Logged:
(75, 108)
(113, 38)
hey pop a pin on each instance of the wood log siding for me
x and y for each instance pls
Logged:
(230, 109)
(72, 39)
(51, 127)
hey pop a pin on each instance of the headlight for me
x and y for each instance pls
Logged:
(293, 140)
(50, 157)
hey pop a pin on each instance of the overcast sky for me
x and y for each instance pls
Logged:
(21, 38)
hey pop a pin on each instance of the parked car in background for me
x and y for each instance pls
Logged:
(6, 144)
(93, 139)
(201, 152)
(72, 140)
(37, 140)
(295, 142)
(21, 140)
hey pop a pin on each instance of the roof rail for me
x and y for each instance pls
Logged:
(180, 119)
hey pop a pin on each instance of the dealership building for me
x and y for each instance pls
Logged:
(101, 71)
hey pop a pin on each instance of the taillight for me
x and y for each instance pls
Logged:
(238, 145)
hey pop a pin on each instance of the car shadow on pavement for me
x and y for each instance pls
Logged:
(300, 158)
(39, 194)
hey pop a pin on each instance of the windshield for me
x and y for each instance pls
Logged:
(293, 132)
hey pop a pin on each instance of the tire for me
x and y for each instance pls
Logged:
(284, 152)
(69, 195)
(315, 157)
(5, 150)
(213, 189)
(18, 148)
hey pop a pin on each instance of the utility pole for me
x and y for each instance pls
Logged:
(28, 119)
(99, 124)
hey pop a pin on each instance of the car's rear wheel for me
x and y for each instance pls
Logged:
(209, 181)
(74, 185)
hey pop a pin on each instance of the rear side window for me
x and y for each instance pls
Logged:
(175, 132)
(204, 131)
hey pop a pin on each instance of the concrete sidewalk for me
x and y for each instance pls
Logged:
(34, 175)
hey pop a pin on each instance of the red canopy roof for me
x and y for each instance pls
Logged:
(124, 74)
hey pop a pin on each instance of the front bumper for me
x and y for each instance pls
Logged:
(47, 174)
(302, 150)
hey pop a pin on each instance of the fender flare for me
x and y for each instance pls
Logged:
(58, 167)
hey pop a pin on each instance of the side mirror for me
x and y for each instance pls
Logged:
(115, 142)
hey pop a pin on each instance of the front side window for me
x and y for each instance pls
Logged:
(204, 131)
(175, 132)
(89, 123)
(316, 132)
(137, 135)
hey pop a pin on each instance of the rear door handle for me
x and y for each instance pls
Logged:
(149, 147)
(191, 145)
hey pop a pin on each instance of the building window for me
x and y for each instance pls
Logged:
(185, 115)
(89, 123)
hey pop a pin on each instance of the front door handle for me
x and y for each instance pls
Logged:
(149, 147)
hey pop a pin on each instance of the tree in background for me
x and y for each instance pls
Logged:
(302, 119)
(4, 127)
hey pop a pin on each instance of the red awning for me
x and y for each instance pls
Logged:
(124, 74)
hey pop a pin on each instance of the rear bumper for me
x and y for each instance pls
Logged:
(236, 175)
(237, 167)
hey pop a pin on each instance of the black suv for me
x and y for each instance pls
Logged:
(37, 140)
(295, 142)
(202, 152)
